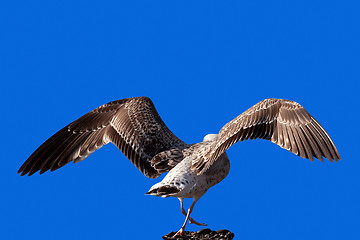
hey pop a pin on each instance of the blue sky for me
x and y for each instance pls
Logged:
(202, 63)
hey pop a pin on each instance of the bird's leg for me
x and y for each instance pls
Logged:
(181, 232)
(191, 220)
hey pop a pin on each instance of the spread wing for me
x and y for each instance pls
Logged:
(283, 122)
(132, 124)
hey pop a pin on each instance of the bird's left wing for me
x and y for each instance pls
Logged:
(132, 124)
(284, 122)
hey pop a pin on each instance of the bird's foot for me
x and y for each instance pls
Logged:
(192, 221)
(181, 232)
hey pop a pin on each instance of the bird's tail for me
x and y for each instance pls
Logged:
(163, 191)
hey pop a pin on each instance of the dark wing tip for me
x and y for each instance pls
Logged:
(22, 173)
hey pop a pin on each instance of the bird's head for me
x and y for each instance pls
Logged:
(210, 138)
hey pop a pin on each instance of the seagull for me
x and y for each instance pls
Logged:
(135, 127)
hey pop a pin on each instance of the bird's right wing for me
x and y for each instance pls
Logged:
(132, 124)
(284, 122)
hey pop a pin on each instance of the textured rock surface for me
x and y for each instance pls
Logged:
(202, 234)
